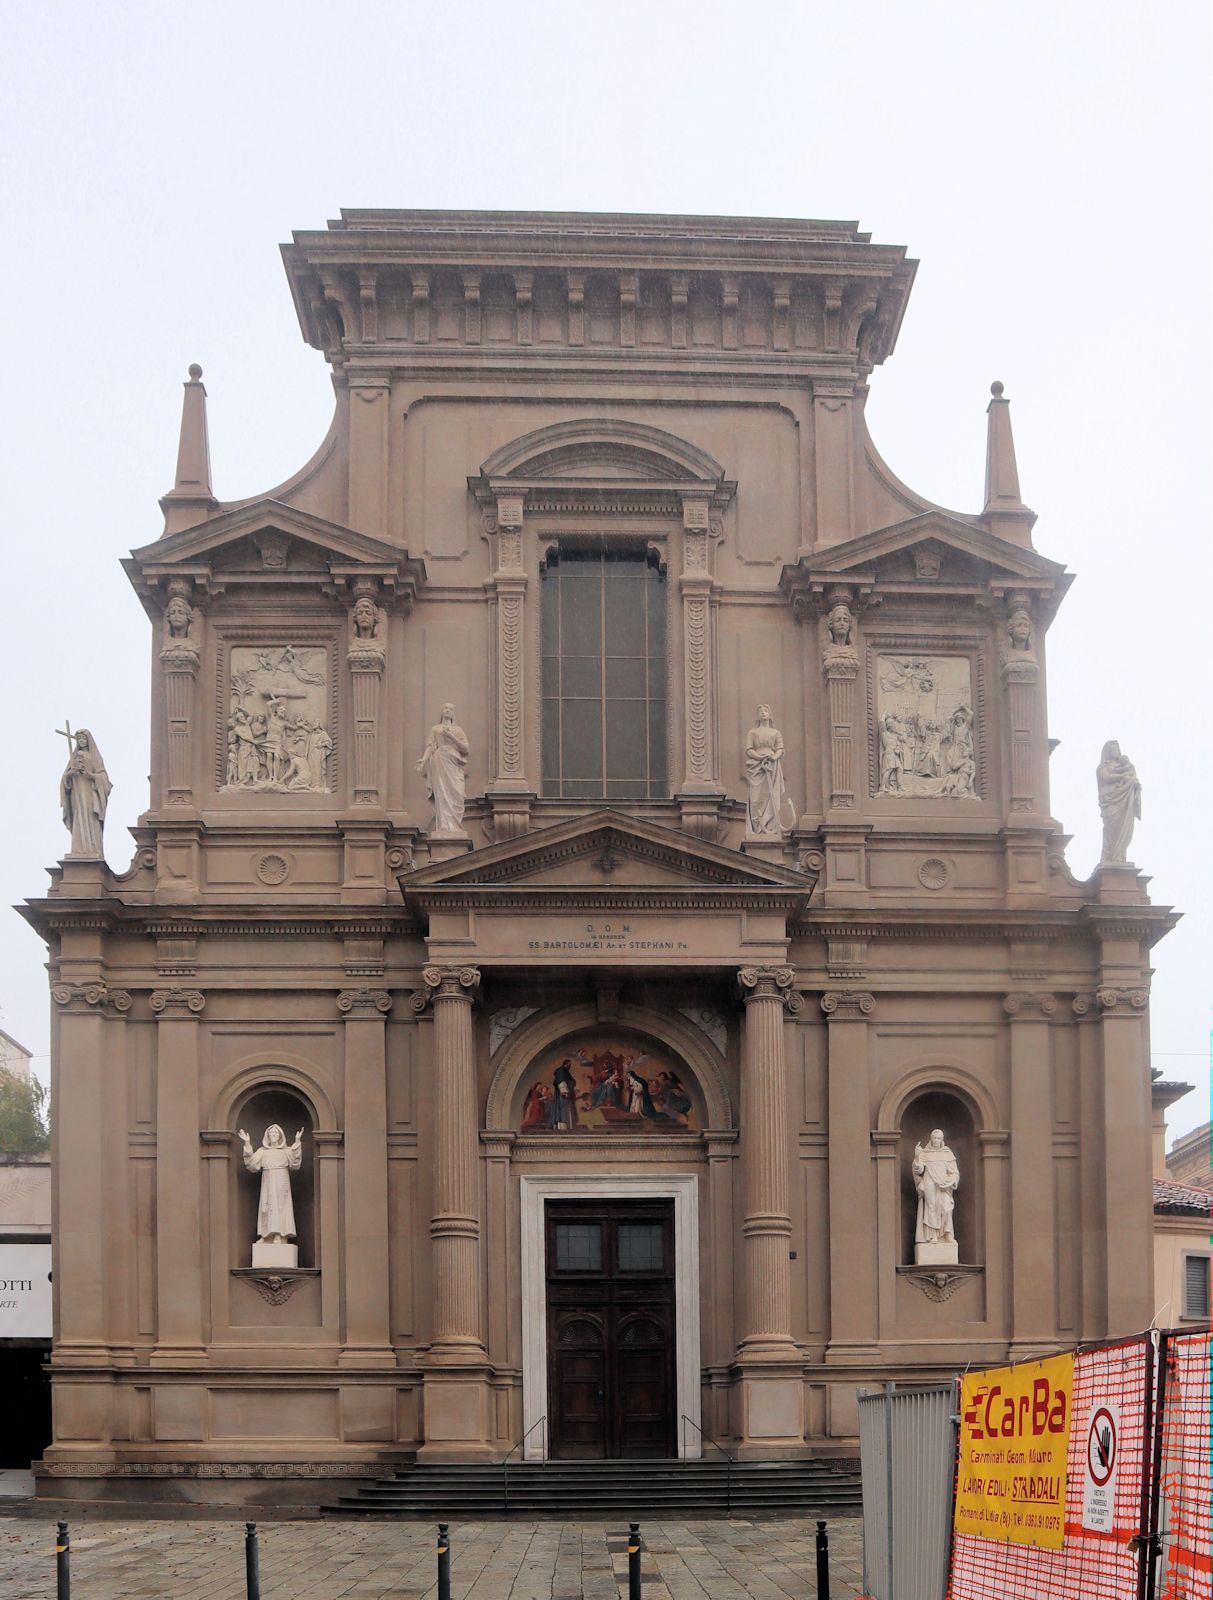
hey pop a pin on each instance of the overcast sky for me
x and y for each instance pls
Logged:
(1048, 165)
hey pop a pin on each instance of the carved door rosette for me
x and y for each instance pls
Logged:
(366, 658)
(179, 660)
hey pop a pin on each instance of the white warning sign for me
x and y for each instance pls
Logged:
(1099, 1477)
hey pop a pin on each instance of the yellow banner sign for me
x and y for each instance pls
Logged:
(1014, 1439)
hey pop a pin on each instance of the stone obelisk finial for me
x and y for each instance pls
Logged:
(1005, 513)
(190, 500)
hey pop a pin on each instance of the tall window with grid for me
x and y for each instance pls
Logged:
(604, 675)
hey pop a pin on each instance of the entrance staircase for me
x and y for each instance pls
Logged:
(598, 1491)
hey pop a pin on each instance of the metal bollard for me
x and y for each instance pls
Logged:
(823, 1562)
(634, 1543)
(252, 1566)
(63, 1563)
(444, 1563)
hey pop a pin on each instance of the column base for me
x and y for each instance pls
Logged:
(456, 1416)
(772, 1413)
(366, 1355)
(766, 846)
(445, 846)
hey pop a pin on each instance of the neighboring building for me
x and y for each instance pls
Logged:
(1183, 1253)
(1190, 1160)
(14, 1057)
(25, 1306)
(609, 1085)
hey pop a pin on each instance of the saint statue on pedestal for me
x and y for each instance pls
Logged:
(936, 1178)
(275, 1161)
(444, 761)
(84, 792)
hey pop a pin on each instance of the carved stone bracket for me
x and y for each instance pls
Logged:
(355, 1004)
(86, 997)
(848, 1005)
(1122, 1002)
(447, 983)
(939, 1285)
(1028, 1003)
(769, 983)
(173, 1003)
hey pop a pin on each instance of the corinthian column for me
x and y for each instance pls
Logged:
(455, 1224)
(767, 1229)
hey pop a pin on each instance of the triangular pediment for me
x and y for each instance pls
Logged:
(266, 542)
(940, 534)
(606, 853)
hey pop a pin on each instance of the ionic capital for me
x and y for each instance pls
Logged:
(769, 983)
(85, 998)
(174, 1003)
(1025, 1003)
(355, 1004)
(447, 983)
(1122, 1002)
(848, 1005)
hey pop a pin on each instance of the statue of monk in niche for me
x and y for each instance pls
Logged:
(275, 1161)
(936, 1177)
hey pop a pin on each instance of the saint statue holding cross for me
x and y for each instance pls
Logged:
(84, 792)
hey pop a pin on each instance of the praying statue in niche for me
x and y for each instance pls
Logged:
(444, 762)
(936, 1178)
(275, 1161)
(765, 796)
(84, 792)
(1119, 802)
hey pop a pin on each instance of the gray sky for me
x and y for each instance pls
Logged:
(1048, 164)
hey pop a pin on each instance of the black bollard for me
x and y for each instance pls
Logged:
(63, 1563)
(252, 1565)
(634, 1561)
(444, 1563)
(823, 1562)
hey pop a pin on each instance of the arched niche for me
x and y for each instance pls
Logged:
(262, 1102)
(941, 1106)
(603, 448)
(529, 1051)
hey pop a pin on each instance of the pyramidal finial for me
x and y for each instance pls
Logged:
(190, 500)
(1005, 513)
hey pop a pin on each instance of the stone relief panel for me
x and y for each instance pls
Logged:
(278, 728)
(924, 726)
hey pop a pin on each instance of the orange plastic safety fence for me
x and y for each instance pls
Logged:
(1186, 1506)
(1091, 1565)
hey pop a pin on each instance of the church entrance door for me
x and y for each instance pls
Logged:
(610, 1329)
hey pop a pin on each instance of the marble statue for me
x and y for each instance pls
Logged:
(1119, 802)
(936, 1178)
(444, 762)
(275, 1161)
(765, 796)
(84, 792)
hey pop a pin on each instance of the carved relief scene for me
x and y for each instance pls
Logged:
(924, 727)
(277, 734)
(608, 1083)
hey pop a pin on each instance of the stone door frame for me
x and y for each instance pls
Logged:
(535, 1189)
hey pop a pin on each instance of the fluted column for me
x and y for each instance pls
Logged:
(367, 1318)
(767, 1228)
(455, 1225)
(179, 1340)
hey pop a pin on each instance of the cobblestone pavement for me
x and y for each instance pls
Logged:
(162, 1560)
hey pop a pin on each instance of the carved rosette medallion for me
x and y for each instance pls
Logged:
(91, 997)
(769, 983)
(848, 1005)
(363, 1004)
(170, 1004)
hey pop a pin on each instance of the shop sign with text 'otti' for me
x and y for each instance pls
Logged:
(1014, 1437)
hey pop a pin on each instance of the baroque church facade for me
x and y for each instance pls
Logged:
(600, 816)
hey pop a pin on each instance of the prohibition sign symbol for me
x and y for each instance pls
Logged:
(1101, 1447)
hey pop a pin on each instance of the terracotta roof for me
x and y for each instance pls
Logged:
(1179, 1199)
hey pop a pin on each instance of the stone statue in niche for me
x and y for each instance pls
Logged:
(277, 729)
(924, 727)
(936, 1178)
(84, 792)
(275, 1161)
(1119, 802)
(765, 795)
(444, 762)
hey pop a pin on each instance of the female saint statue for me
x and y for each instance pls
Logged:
(1119, 801)
(936, 1178)
(275, 1161)
(445, 765)
(84, 792)
(765, 798)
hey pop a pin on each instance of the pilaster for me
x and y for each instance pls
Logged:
(367, 1318)
(370, 393)
(840, 666)
(853, 1232)
(508, 793)
(701, 791)
(179, 658)
(1033, 1311)
(180, 1340)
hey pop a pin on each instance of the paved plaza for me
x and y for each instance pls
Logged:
(176, 1560)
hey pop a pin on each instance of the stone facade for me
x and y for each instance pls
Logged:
(656, 1000)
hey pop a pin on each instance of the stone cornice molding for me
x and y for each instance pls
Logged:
(447, 983)
(769, 983)
(363, 1004)
(177, 1003)
(848, 1005)
(91, 997)
(1026, 1004)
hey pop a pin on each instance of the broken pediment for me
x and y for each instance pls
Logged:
(265, 543)
(606, 857)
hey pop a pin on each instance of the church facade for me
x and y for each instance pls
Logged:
(598, 972)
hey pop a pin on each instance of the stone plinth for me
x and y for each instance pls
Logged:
(267, 1254)
(940, 1253)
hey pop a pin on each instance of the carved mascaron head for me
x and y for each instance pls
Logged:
(365, 620)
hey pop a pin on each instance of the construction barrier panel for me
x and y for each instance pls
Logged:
(1185, 1498)
(907, 1447)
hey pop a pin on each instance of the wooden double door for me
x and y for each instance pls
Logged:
(612, 1389)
